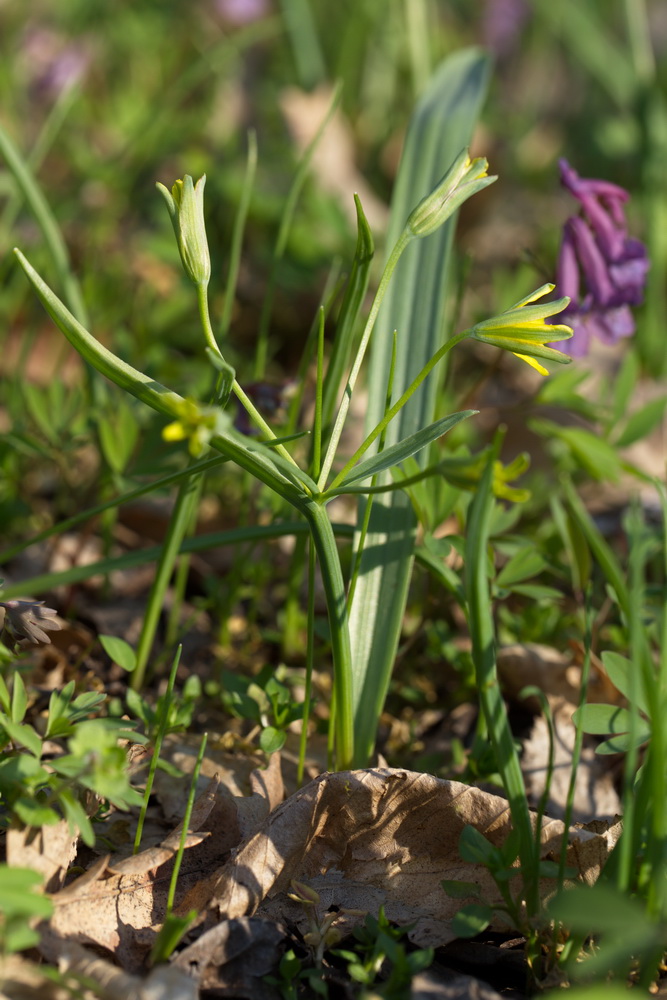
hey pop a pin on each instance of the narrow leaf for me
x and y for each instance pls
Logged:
(404, 449)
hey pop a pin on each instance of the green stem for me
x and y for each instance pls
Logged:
(334, 588)
(344, 407)
(285, 479)
(246, 402)
(262, 348)
(47, 223)
(118, 501)
(161, 729)
(180, 520)
(186, 823)
(310, 658)
(480, 619)
(391, 413)
(237, 235)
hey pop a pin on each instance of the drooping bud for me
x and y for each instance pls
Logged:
(464, 178)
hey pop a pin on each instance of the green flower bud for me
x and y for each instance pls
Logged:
(185, 204)
(464, 178)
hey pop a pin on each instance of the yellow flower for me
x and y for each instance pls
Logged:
(522, 330)
(196, 424)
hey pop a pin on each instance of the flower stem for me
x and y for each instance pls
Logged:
(389, 269)
(245, 401)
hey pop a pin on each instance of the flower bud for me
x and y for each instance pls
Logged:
(185, 204)
(464, 178)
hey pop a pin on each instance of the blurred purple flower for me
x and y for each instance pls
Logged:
(242, 11)
(52, 64)
(613, 266)
(270, 400)
(502, 24)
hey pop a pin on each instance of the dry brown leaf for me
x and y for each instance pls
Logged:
(246, 795)
(164, 982)
(49, 850)
(334, 157)
(594, 792)
(153, 857)
(121, 911)
(363, 839)
(235, 955)
(444, 984)
(541, 666)
(23, 980)
(559, 678)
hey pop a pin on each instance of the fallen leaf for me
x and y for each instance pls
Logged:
(334, 157)
(559, 678)
(246, 795)
(119, 905)
(594, 792)
(163, 983)
(235, 955)
(365, 839)
(443, 984)
(49, 850)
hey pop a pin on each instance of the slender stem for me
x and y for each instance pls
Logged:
(310, 659)
(237, 235)
(578, 738)
(317, 423)
(398, 484)
(262, 348)
(161, 729)
(246, 402)
(389, 269)
(480, 619)
(259, 420)
(639, 35)
(37, 154)
(205, 316)
(269, 468)
(118, 501)
(391, 413)
(41, 210)
(186, 823)
(181, 517)
(334, 588)
(418, 43)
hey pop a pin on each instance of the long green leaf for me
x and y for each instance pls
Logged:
(441, 126)
(404, 449)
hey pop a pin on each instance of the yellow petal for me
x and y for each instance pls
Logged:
(532, 362)
(174, 432)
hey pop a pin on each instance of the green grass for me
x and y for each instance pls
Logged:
(405, 414)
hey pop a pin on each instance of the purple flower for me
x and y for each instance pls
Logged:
(28, 620)
(613, 266)
(242, 11)
(270, 399)
(503, 22)
(52, 64)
